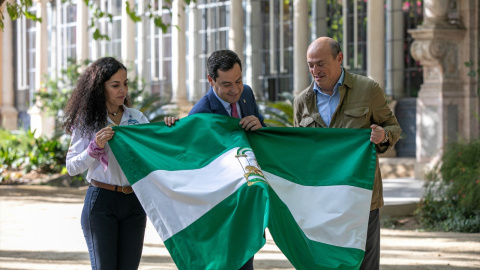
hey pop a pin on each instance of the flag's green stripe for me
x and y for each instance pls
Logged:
(303, 253)
(340, 156)
(232, 228)
(141, 149)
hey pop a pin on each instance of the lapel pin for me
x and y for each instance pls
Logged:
(244, 101)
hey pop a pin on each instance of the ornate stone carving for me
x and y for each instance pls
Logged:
(437, 48)
(450, 63)
(429, 52)
(436, 53)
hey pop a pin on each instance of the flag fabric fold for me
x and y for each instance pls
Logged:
(210, 189)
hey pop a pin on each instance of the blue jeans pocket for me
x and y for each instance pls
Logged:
(91, 197)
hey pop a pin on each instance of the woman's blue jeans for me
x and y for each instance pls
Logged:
(113, 224)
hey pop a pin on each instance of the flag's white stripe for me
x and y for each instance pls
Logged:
(336, 215)
(175, 199)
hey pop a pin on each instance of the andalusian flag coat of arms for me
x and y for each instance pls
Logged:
(211, 189)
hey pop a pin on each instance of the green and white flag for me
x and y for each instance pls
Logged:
(210, 189)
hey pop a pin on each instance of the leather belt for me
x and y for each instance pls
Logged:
(125, 189)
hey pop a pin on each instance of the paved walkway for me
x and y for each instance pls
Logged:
(40, 229)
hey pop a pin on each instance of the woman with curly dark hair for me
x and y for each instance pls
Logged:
(113, 220)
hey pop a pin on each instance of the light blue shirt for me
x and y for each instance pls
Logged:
(326, 104)
(228, 106)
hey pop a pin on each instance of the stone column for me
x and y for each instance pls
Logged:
(211, 42)
(41, 44)
(300, 45)
(319, 19)
(82, 32)
(40, 121)
(468, 13)
(8, 113)
(194, 52)
(376, 42)
(179, 63)
(253, 63)
(395, 62)
(141, 61)
(128, 35)
(236, 31)
(440, 102)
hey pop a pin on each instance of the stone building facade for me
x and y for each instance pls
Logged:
(415, 49)
(448, 102)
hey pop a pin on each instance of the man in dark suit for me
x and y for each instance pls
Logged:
(227, 91)
(228, 96)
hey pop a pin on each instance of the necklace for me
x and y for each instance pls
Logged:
(115, 113)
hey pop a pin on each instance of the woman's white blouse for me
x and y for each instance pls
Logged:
(78, 159)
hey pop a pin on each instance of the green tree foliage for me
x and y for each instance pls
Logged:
(55, 92)
(17, 10)
(452, 200)
(335, 20)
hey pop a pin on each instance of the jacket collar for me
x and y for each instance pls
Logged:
(217, 106)
(311, 104)
(311, 99)
(348, 80)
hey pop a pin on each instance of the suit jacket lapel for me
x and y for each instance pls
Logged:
(245, 107)
(215, 104)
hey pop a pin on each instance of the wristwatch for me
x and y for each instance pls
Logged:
(386, 137)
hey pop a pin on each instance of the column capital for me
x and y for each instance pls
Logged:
(438, 52)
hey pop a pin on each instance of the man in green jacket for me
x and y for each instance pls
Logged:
(339, 99)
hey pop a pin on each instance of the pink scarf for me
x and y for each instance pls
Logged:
(98, 153)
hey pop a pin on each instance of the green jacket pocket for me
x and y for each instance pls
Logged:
(356, 118)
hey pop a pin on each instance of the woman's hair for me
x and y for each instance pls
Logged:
(86, 110)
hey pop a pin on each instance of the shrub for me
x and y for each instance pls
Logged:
(47, 155)
(21, 150)
(452, 199)
(278, 113)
